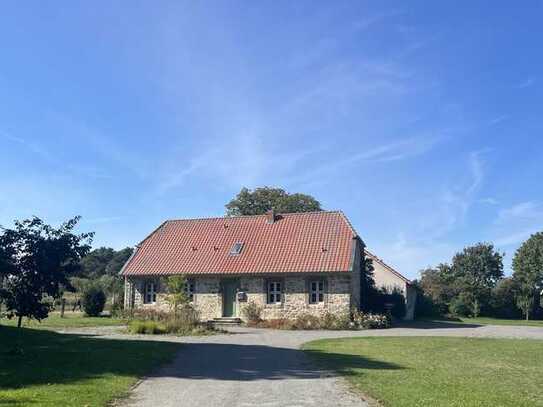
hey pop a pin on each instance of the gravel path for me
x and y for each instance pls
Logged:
(250, 367)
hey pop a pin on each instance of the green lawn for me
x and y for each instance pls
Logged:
(498, 321)
(70, 320)
(432, 371)
(490, 321)
(72, 370)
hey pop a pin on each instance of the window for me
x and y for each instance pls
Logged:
(150, 292)
(316, 291)
(189, 290)
(274, 292)
(236, 248)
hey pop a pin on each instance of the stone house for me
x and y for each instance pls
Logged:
(289, 264)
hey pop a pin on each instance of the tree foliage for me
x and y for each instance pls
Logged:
(93, 300)
(475, 271)
(528, 273)
(102, 266)
(37, 260)
(261, 200)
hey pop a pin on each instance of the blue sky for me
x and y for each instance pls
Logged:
(420, 120)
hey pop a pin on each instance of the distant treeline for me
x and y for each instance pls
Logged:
(473, 283)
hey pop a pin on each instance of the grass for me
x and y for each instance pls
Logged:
(70, 320)
(59, 369)
(432, 371)
(492, 321)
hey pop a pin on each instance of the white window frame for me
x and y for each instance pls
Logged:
(189, 290)
(149, 292)
(316, 291)
(275, 294)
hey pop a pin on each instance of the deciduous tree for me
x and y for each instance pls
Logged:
(528, 272)
(261, 200)
(38, 260)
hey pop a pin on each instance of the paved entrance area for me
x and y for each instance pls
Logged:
(257, 367)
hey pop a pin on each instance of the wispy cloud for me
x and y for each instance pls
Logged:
(528, 210)
(498, 119)
(48, 157)
(515, 238)
(525, 83)
(488, 201)
(401, 149)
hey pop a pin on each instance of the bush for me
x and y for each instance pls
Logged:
(252, 312)
(146, 327)
(185, 321)
(151, 314)
(93, 301)
(336, 322)
(460, 306)
(363, 320)
(307, 321)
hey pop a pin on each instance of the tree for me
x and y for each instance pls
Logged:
(94, 264)
(438, 288)
(116, 263)
(504, 299)
(261, 200)
(177, 292)
(475, 271)
(38, 260)
(528, 273)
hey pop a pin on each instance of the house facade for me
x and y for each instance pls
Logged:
(289, 264)
(388, 278)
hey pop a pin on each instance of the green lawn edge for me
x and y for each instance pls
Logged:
(436, 371)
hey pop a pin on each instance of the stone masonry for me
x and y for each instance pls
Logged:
(341, 293)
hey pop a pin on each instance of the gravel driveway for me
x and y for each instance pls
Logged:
(257, 367)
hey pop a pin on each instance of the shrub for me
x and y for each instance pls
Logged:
(279, 323)
(185, 321)
(362, 320)
(151, 314)
(146, 327)
(460, 306)
(93, 301)
(336, 322)
(307, 321)
(252, 312)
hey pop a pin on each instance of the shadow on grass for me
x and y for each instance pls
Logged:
(55, 358)
(34, 357)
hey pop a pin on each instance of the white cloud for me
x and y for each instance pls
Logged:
(515, 238)
(521, 211)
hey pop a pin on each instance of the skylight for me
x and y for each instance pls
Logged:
(236, 248)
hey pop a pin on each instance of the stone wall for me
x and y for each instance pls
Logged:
(295, 295)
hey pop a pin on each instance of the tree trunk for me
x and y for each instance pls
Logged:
(19, 321)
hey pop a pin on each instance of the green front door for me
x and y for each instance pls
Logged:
(230, 288)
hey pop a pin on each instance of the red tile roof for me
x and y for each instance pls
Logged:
(294, 243)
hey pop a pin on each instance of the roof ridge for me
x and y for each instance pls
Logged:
(253, 216)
